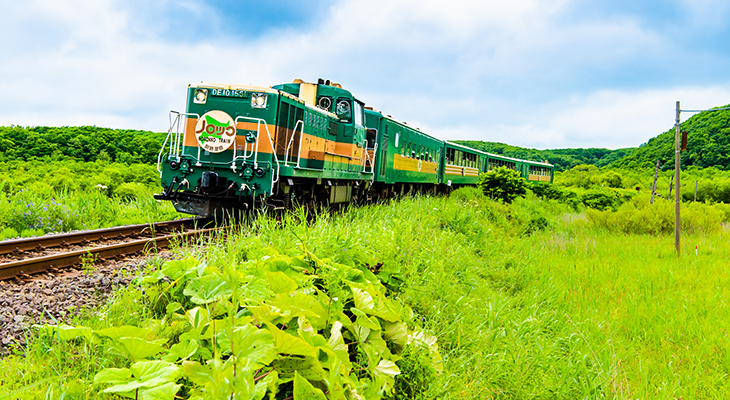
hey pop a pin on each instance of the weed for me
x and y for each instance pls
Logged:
(88, 263)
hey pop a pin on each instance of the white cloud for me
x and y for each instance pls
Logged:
(511, 71)
(608, 118)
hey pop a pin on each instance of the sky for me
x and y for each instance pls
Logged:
(532, 73)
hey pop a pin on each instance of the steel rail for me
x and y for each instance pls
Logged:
(61, 260)
(83, 237)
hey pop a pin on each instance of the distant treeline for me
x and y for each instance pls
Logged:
(81, 143)
(708, 145)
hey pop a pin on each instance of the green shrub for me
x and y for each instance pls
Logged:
(129, 191)
(503, 184)
(639, 216)
(555, 192)
(599, 199)
(612, 179)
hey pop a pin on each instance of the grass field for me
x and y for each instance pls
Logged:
(530, 300)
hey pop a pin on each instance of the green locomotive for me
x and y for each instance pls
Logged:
(244, 147)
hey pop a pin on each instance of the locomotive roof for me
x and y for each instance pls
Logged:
(233, 86)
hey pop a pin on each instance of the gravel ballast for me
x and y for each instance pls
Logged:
(63, 295)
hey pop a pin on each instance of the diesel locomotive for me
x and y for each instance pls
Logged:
(246, 147)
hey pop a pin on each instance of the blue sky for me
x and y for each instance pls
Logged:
(532, 73)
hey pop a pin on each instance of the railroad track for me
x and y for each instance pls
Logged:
(71, 248)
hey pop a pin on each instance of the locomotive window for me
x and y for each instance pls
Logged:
(358, 113)
(343, 109)
(397, 138)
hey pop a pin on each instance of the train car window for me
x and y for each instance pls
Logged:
(358, 113)
(397, 139)
(384, 160)
(408, 150)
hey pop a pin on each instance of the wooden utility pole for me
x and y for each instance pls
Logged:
(677, 166)
(696, 190)
(653, 187)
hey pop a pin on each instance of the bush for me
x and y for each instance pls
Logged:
(612, 179)
(129, 191)
(554, 192)
(503, 184)
(639, 216)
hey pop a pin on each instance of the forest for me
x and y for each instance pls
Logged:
(80, 143)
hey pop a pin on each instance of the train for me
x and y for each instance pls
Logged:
(242, 147)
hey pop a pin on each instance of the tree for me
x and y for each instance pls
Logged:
(503, 184)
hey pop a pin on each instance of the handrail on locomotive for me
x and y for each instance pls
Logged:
(174, 136)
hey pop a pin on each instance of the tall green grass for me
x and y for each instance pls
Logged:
(529, 300)
(33, 213)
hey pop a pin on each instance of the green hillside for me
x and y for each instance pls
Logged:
(708, 144)
(563, 159)
(82, 143)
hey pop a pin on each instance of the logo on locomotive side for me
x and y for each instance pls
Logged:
(215, 131)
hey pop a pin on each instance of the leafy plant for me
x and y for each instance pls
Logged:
(503, 184)
(264, 326)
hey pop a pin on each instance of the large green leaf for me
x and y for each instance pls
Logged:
(286, 343)
(375, 348)
(183, 350)
(67, 332)
(308, 367)
(147, 374)
(303, 390)
(163, 392)
(248, 342)
(139, 349)
(302, 304)
(207, 289)
(337, 343)
(114, 376)
(372, 301)
(396, 332)
(363, 320)
(125, 331)
(387, 370)
(256, 290)
(155, 372)
(268, 313)
(423, 338)
(177, 268)
(223, 380)
(279, 282)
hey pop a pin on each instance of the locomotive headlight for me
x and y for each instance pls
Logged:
(201, 96)
(258, 100)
